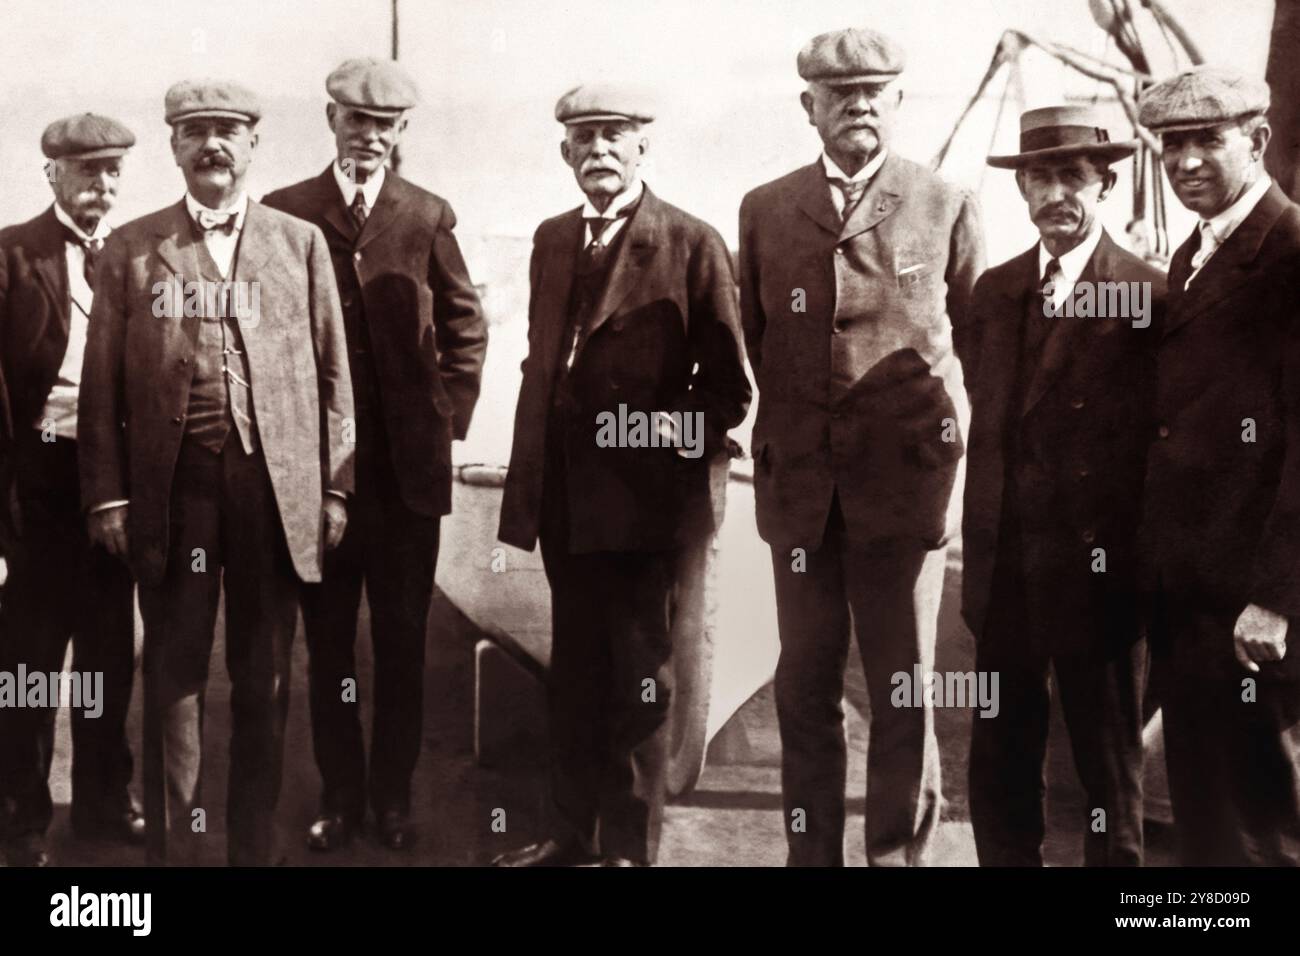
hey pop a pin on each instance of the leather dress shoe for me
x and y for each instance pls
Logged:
(27, 849)
(123, 826)
(331, 831)
(395, 830)
(547, 853)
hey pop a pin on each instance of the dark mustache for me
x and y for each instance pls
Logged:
(215, 159)
(1051, 211)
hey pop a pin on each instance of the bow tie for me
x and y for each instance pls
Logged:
(210, 221)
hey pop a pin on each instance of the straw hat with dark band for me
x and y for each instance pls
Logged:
(1059, 132)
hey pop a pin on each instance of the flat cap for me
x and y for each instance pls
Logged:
(1201, 96)
(85, 136)
(193, 98)
(594, 102)
(851, 56)
(373, 86)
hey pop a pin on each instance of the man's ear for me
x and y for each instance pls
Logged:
(331, 112)
(1020, 184)
(806, 100)
(1108, 181)
(564, 152)
(1259, 139)
(643, 145)
(172, 140)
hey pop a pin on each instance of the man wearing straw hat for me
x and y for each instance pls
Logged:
(1061, 394)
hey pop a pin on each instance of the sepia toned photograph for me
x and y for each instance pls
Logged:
(654, 433)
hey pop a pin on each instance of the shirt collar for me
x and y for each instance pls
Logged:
(101, 229)
(1073, 262)
(833, 170)
(369, 189)
(1225, 223)
(239, 207)
(619, 202)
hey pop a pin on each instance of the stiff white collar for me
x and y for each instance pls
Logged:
(618, 203)
(239, 207)
(101, 229)
(1225, 223)
(833, 170)
(1073, 262)
(369, 189)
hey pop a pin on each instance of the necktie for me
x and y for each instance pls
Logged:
(1051, 275)
(360, 211)
(852, 191)
(599, 225)
(1209, 242)
(210, 221)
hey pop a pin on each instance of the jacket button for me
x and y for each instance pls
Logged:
(182, 362)
(357, 255)
(1089, 536)
(347, 302)
(1084, 473)
(1163, 431)
(839, 250)
(178, 419)
(1077, 403)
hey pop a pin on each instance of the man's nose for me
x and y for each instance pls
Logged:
(599, 146)
(1189, 160)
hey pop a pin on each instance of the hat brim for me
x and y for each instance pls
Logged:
(213, 114)
(1112, 152)
(853, 80)
(107, 152)
(383, 112)
(605, 118)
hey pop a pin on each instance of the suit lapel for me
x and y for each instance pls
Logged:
(51, 268)
(331, 203)
(1000, 354)
(559, 259)
(636, 249)
(1228, 269)
(176, 248)
(386, 210)
(255, 245)
(1066, 333)
(813, 197)
(883, 195)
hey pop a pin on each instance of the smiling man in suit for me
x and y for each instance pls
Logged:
(416, 342)
(60, 587)
(1061, 421)
(1221, 526)
(214, 451)
(632, 312)
(855, 279)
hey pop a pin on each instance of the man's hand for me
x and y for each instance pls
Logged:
(334, 514)
(107, 528)
(1259, 635)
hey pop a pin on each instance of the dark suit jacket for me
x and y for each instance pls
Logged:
(406, 276)
(831, 418)
(1222, 515)
(1073, 433)
(665, 336)
(136, 378)
(34, 323)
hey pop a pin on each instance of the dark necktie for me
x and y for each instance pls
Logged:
(1039, 324)
(360, 211)
(595, 252)
(851, 190)
(90, 248)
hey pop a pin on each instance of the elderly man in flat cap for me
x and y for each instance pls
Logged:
(1221, 521)
(416, 341)
(855, 281)
(233, 465)
(1062, 405)
(632, 317)
(61, 587)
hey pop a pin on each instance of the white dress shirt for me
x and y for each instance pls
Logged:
(369, 189)
(61, 404)
(1072, 264)
(220, 245)
(1216, 230)
(620, 202)
(864, 174)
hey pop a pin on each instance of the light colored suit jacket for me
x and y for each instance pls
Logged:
(138, 368)
(854, 329)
